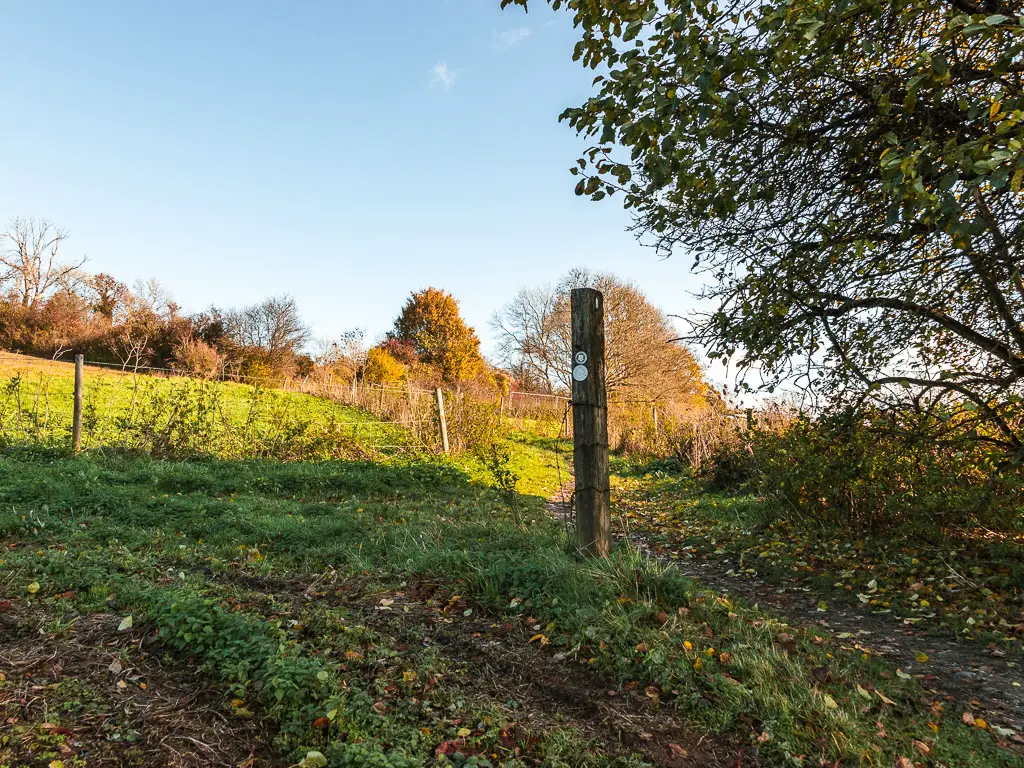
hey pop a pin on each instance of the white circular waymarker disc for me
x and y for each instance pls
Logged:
(581, 358)
(580, 373)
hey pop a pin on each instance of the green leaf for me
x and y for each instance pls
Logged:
(313, 759)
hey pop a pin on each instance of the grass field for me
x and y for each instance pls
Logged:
(396, 613)
(187, 609)
(181, 417)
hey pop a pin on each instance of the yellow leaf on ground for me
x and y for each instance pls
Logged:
(885, 698)
(920, 657)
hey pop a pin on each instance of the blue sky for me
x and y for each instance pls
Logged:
(344, 152)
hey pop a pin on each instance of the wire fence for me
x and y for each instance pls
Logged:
(167, 411)
(139, 409)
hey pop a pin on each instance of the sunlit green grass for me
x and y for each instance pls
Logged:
(160, 535)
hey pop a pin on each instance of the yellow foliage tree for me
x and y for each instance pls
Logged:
(430, 322)
(382, 368)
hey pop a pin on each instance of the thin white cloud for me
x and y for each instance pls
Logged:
(442, 76)
(510, 37)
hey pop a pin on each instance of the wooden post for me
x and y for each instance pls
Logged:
(501, 409)
(353, 390)
(76, 423)
(441, 418)
(412, 410)
(590, 423)
(654, 414)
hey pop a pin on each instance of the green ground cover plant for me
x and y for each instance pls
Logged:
(296, 588)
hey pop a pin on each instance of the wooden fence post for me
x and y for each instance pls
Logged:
(590, 423)
(76, 423)
(442, 419)
(412, 410)
(354, 398)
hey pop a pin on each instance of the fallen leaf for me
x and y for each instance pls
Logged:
(464, 732)
(678, 751)
(921, 747)
(829, 702)
(968, 718)
(313, 759)
(904, 762)
(32, 588)
(885, 698)
(920, 657)
(126, 623)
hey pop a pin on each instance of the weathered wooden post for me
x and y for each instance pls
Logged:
(76, 420)
(590, 423)
(442, 419)
(412, 410)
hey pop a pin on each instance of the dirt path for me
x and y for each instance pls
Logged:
(978, 679)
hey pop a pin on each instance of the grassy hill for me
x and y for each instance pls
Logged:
(179, 417)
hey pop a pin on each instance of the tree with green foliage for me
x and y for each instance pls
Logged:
(431, 324)
(849, 174)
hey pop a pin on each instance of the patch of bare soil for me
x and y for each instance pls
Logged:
(78, 692)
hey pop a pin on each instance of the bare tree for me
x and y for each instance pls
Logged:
(644, 359)
(272, 326)
(29, 259)
(350, 346)
(528, 337)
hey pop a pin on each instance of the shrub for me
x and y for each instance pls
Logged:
(196, 358)
(382, 368)
(869, 473)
